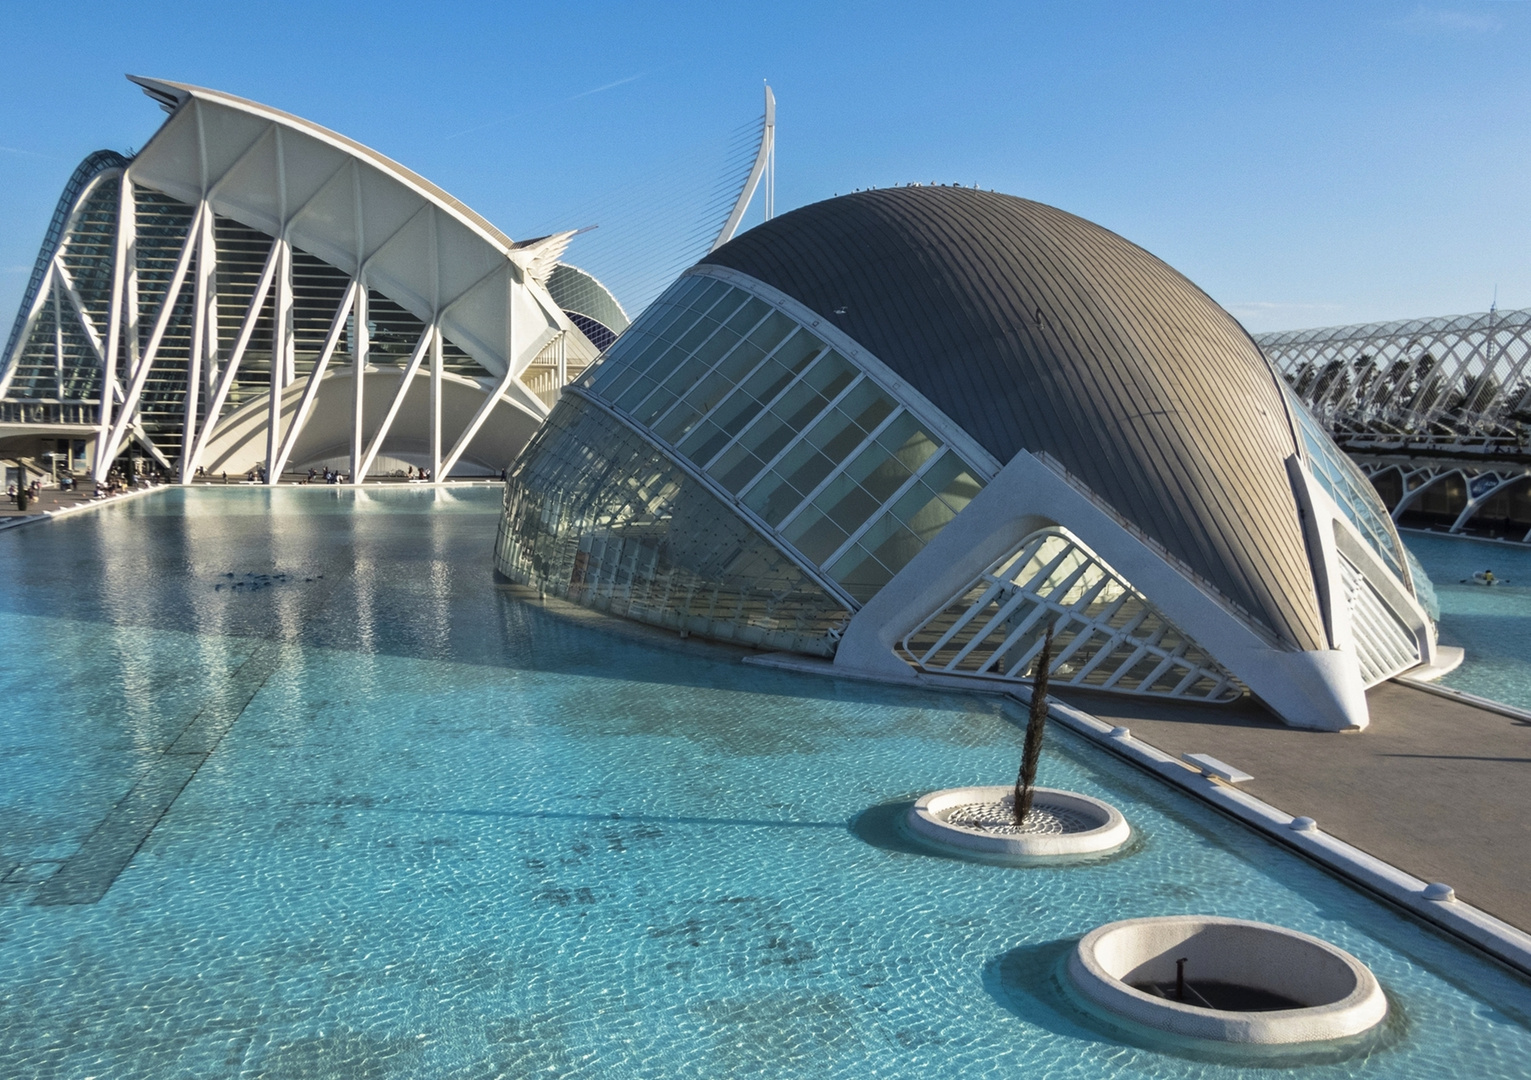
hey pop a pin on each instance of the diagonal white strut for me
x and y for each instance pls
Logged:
(398, 401)
(151, 350)
(311, 388)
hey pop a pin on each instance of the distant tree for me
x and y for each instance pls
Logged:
(1036, 722)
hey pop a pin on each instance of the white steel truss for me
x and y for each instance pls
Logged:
(1458, 379)
(1107, 636)
(1476, 487)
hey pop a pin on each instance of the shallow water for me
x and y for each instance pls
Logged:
(443, 833)
(1492, 624)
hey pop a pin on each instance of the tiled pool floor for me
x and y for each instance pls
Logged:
(417, 828)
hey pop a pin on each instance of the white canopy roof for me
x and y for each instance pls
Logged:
(357, 210)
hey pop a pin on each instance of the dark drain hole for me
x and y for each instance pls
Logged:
(1220, 996)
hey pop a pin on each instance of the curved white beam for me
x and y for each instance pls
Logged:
(765, 164)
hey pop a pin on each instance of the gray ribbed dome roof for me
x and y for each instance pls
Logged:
(1035, 329)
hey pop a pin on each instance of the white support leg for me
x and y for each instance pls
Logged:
(436, 476)
(63, 281)
(311, 387)
(161, 322)
(122, 255)
(231, 369)
(281, 351)
(408, 377)
(360, 341)
(478, 420)
(191, 422)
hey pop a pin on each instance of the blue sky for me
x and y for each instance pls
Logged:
(1305, 163)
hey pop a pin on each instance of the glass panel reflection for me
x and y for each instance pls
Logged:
(598, 515)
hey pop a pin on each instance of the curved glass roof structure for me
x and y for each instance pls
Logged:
(1448, 379)
(967, 416)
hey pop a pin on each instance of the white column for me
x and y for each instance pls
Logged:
(191, 416)
(359, 342)
(58, 335)
(436, 476)
(281, 349)
(124, 254)
(210, 317)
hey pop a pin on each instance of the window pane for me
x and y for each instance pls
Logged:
(744, 320)
(735, 366)
(815, 535)
(705, 440)
(771, 333)
(800, 348)
(867, 405)
(860, 573)
(674, 426)
(709, 295)
(736, 468)
(923, 514)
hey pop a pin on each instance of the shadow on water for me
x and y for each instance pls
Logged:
(1031, 983)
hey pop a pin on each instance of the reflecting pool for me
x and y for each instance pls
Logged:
(1493, 624)
(419, 828)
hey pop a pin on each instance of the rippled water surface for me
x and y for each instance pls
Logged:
(1492, 624)
(418, 828)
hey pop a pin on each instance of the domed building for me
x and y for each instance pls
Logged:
(910, 429)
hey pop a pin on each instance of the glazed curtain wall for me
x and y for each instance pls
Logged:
(807, 442)
(1348, 486)
(598, 515)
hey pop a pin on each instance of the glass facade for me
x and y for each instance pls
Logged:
(1106, 636)
(815, 449)
(57, 362)
(1348, 487)
(597, 514)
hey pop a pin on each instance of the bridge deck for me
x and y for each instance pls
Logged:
(1438, 788)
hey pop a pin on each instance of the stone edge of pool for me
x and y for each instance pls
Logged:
(1499, 939)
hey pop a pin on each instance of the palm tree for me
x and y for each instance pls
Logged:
(1035, 723)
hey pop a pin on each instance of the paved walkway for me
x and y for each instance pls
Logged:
(51, 499)
(1439, 788)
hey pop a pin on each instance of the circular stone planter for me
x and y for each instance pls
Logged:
(977, 820)
(1247, 982)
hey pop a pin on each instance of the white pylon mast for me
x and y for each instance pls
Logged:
(764, 168)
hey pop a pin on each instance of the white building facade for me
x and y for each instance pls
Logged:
(252, 292)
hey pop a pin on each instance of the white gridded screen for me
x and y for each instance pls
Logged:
(1106, 634)
(1384, 646)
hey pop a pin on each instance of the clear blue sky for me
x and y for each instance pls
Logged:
(1305, 163)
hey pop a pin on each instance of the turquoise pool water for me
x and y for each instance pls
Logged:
(1493, 624)
(431, 831)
